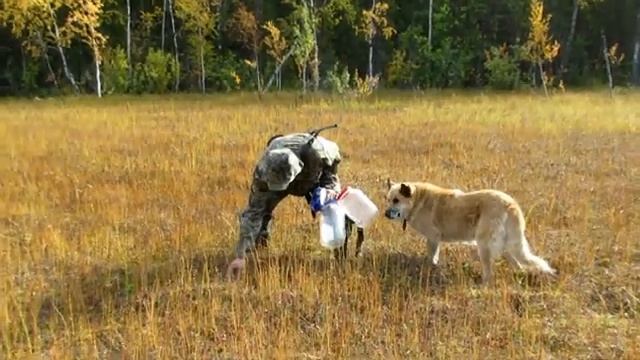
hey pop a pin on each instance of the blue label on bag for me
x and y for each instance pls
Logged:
(319, 199)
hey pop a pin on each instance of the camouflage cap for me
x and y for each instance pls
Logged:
(280, 167)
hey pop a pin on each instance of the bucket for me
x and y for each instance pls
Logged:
(332, 226)
(357, 206)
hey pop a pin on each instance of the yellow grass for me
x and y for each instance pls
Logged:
(118, 218)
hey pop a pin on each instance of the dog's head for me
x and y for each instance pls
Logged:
(399, 200)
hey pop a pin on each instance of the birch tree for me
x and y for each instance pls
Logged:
(276, 45)
(540, 47)
(374, 21)
(315, 63)
(22, 23)
(164, 21)
(303, 39)
(36, 23)
(129, 63)
(635, 72)
(323, 15)
(314, 13)
(176, 51)
(198, 17)
(85, 17)
(430, 31)
(612, 57)
(244, 29)
(568, 44)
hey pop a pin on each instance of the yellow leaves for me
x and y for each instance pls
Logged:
(23, 16)
(274, 41)
(198, 19)
(236, 78)
(365, 86)
(551, 50)
(244, 26)
(539, 45)
(388, 32)
(496, 52)
(148, 19)
(84, 20)
(198, 15)
(561, 86)
(614, 56)
(34, 22)
(375, 20)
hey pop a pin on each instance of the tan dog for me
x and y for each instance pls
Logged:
(490, 218)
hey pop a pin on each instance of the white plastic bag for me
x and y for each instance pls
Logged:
(332, 226)
(357, 206)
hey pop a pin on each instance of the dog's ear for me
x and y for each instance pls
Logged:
(405, 190)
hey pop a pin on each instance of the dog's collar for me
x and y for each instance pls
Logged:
(408, 218)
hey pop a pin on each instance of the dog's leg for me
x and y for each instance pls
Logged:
(433, 251)
(484, 252)
(359, 241)
(512, 260)
(342, 252)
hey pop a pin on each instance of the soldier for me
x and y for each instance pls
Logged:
(293, 164)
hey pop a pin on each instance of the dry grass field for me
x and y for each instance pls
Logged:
(118, 218)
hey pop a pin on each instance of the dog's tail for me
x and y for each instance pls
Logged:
(518, 246)
(522, 253)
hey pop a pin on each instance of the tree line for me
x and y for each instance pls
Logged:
(159, 46)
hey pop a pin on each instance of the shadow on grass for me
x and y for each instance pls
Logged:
(99, 291)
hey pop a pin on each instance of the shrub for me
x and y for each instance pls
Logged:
(502, 68)
(365, 86)
(337, 79)
(226, 72)
(114, 71)
(400, 69)
(156, 74)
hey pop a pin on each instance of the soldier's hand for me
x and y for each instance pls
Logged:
(235, 268)
(331, 195)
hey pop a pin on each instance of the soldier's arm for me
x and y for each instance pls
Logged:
(250, 221)
(251, 217)
(329, 178)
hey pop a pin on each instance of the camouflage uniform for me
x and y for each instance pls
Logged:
(289, 166)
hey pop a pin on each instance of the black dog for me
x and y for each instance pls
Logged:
(343, 251)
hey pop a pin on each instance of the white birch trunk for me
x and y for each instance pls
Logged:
(129, 65)
(67, 73)
(175, 46)
(315, 71)
(567, 47)
(304, 78)
(430, 23)
(543, 79)
(164, 20)
(636, 53)
(607, 62)
(202, 70)
(98, 82)
(372, 32)
(45, 53)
